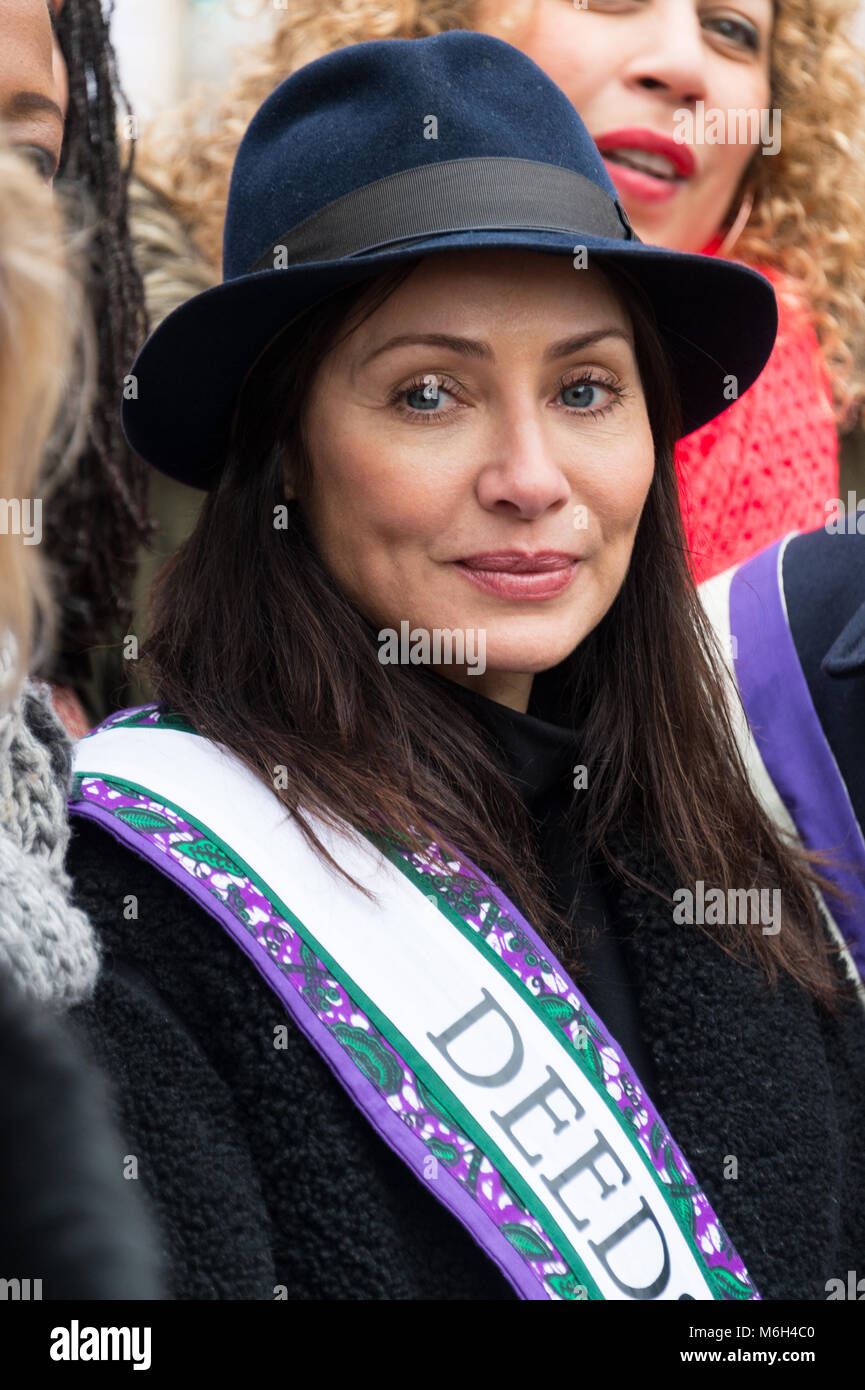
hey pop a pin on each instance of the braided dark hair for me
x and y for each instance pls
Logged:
(99, 514)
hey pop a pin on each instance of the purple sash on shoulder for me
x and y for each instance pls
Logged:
(790, 737)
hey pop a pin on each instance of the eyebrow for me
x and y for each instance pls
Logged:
(475, 347)
(26, 103)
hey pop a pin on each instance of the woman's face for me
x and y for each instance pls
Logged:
(628, 66)
(30, 105)
(488, 418)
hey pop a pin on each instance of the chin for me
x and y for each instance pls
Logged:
(527, 658)
(657, 227)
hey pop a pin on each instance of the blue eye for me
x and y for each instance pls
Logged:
(581, 394)
(583, 397)
(425, 397)
(421, 400)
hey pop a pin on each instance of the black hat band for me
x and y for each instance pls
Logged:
(457, 195)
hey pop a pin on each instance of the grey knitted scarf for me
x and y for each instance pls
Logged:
(47, 945)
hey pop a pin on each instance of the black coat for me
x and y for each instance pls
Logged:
(267, 1181)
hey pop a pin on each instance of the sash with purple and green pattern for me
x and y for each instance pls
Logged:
(441, 1012)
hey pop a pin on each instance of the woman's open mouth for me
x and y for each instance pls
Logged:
(516, 575)
(644, 164)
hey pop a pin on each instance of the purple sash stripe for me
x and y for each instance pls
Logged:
(383, 1119)
(790, 737)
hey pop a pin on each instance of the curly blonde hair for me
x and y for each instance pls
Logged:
(808, 216)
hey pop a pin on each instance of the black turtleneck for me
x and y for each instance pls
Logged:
(538, 755)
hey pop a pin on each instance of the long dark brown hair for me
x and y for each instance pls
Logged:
(255, 644)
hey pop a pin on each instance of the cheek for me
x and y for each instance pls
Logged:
(581, 68)
(748, 91)
(367, 497)
(621, 486)
(743, 86)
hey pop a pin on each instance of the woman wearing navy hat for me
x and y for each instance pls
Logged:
(449, 954)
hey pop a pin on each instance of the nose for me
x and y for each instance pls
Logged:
(670, 57)
(522, 476)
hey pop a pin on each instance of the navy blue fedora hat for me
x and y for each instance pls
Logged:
(337, 179)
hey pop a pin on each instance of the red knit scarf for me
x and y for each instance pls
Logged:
(769, 463)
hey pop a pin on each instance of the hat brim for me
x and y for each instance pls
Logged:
(718, 320)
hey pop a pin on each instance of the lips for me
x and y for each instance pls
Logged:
(647, 153)
(518, 577)
(645, 164)
(519, 562)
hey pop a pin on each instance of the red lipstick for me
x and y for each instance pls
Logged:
(659, 176)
